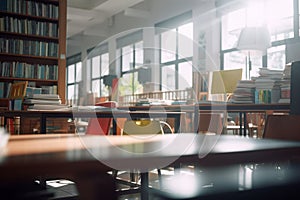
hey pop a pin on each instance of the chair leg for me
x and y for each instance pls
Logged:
(114, 173)
(159, 178)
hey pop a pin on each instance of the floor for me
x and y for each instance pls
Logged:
(64, 189)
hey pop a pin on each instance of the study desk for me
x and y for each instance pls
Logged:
(224, 107)
(105, 113)
(242, 109)
(82, 158)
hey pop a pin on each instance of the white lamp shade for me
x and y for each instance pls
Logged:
(254, 39)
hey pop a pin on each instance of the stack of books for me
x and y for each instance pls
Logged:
(43, 102)
(244, 92)
(267, 86)
(285, 85)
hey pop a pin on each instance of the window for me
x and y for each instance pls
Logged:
(278, 15)
(176, 51)
(131, 57)
(74, 78)
(98, 65)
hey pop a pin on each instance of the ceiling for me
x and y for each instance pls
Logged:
(83, 16)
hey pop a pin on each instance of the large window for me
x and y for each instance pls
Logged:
(74, 78)
(98, 65)
(277, 15)
(176, 51)
(131, 57)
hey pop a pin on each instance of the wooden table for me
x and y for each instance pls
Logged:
(241, 109)
(85, 158)
(104, 113)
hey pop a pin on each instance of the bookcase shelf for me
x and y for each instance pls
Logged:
(33, 43)
(28, 58)
(28, 37)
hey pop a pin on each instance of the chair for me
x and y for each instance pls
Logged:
(210, 123)
(139, 127)
(142, 127)
(283, 127)
(100, 126)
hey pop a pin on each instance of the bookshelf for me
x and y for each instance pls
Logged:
(33, 44)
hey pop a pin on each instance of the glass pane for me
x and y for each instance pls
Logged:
(232, 23)
(276, 57)
(104, 89)
(104, 64)
(71, 73)
(88, 69)
(125, 86)
(238, 60)
(70, 92)
(168, 78)
(185, 40)
(96, 87)
(281, 23)
(78, 72)
(256, 64)
(139, 55)
(129, 84)
(137, 87)
(127, 58)
(96, 67)
(235, 60)
(76, 93)
(185, 75)
(168, 46)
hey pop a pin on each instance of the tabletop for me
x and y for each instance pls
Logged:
(143, 152)
(87, 157)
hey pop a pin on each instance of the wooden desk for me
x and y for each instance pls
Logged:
(106, 113)
(224, 107)
(83, 158)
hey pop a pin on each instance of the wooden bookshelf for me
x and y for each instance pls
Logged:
(33, 44)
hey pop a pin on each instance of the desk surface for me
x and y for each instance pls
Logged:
(57, 153)
(213, 105)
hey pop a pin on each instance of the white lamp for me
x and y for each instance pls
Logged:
(254, 40)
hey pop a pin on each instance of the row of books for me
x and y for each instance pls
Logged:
(5, 90)
(25, 26)
(26, 70)
(28, 47)
(285, 87)
(26, 7)
(268, 87)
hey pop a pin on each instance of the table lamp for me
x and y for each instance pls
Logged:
(253, 40)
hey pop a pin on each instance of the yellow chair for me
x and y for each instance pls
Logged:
(144, 127)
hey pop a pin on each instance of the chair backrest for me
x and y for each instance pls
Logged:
(210, 123)
(141, 127)
(284, 127)
(18, 90)
(100, 126)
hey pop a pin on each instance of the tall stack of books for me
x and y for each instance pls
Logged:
(267, 86)
(244, 92)
(285, 85)
(43, 102)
